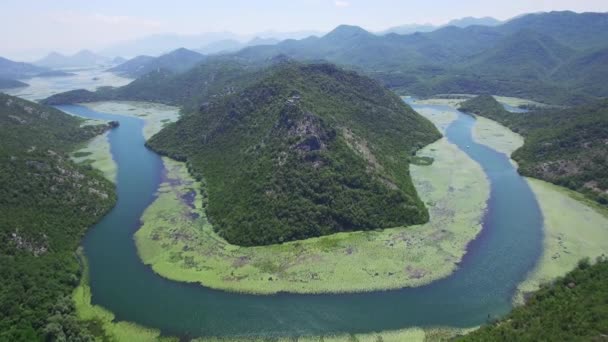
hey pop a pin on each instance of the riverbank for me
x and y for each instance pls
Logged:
(103, 320)
(574, 228)
(154, 115)
(96, 152)
(178, 243)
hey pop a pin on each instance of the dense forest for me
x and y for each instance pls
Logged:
(46, 204)
(568, 147)
(572, 308)
(308, 150)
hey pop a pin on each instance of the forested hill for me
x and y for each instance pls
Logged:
(568, 146)
(188, 89)
(521, 57)
(306, 150)
(46, 204)
(175, 61)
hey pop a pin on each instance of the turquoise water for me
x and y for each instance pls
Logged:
(497, 260)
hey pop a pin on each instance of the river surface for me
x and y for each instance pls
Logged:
(508, 246)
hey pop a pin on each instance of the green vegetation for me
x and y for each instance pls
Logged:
(563, 146)
(178, 243)
(572, 308)
(564, 246)
(102, 322)
(562, 209)
(176, 61)
(46, 204)
(555, 58)
(96, 154)
(154, 115)
(286, 159)
(403, 335)
(422, 161)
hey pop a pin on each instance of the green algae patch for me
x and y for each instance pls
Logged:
(178, 242)
(500, 138)
(518, 102)
(97, 153)
(155, 115)
(107, 328)
(410, 335)
(574, 229)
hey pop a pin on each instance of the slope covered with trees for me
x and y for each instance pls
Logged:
(46, 204)
(307, 150)
(175, 61)
(568, 147)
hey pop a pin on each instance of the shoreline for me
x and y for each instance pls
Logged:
(562, 209)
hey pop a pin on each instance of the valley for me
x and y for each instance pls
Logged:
(447, 184)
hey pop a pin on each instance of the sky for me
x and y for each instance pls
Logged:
(35, 27)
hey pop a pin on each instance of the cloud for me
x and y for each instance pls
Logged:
(341, 3)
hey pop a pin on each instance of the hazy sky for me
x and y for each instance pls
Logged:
(34, 27)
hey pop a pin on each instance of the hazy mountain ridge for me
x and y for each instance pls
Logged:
(175, 61)
(83, 58)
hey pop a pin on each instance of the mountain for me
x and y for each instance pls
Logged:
(284, 159)
(84, 58)
(214, 77)
(159, 44)
(175, 61)
(563, 146)
(472, 21)
(576, 30)
(409, 29)
(132, 66)
(525, 54)
(463, 60)
(356, 47)
(226, 46)
(10, 70)
(586, 73)
(46, 204)
(462, 23)
(7, 84)
(118, 60)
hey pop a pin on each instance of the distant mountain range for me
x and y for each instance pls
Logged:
(463, 22)
(84, 58)
(175, 61)
(11, 71)
(226, 46)
(207, 43)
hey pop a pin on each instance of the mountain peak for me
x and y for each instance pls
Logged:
(347, 31)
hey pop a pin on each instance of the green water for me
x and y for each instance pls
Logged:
(496, 261)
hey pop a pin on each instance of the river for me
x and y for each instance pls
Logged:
(508, 246)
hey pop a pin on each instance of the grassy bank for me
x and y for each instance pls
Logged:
(102, 321)
(96, 153)
(155, 115)
(574, 227)
(178, 242)
(403, 335)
